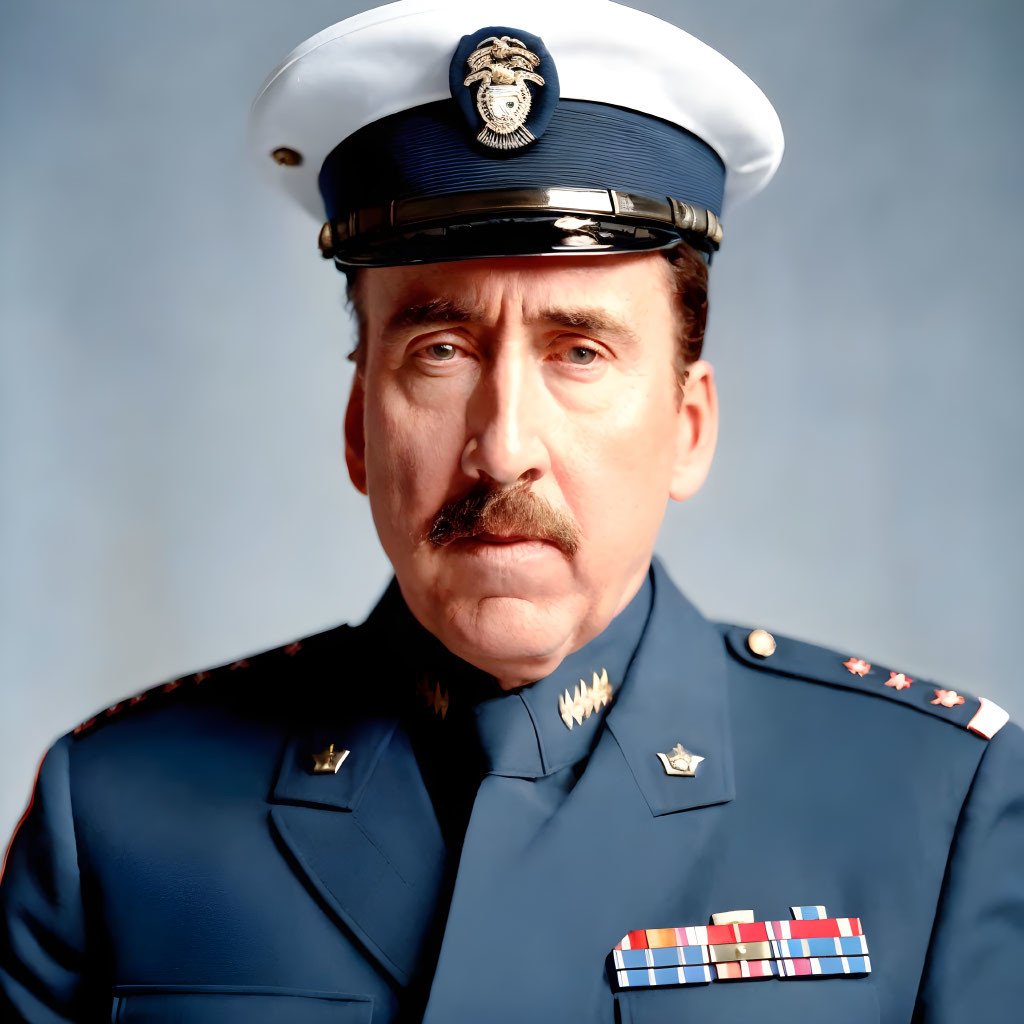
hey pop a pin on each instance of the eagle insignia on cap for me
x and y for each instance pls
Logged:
(503, 65)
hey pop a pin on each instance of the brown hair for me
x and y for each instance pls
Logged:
(690, 280)
(690, 276)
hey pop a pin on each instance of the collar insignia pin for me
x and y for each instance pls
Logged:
(584, 700)
(433, 696)
(328, 761)
(503, 66)
(679, 761)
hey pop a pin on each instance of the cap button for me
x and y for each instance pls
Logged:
(761, 643)
(286, 156)
(325, 242)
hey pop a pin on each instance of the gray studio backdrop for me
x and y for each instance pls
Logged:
(174, 374)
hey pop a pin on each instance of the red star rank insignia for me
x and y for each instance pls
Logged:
(899, 681)
(858, 666)
(947, 698)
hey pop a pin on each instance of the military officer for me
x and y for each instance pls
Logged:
(536, 784)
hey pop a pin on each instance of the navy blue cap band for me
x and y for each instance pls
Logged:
(426, 151)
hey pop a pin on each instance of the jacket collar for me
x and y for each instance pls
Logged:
(554, 722)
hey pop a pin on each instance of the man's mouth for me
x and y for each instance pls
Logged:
(504, 538)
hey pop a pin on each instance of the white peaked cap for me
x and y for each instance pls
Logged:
(396, 57)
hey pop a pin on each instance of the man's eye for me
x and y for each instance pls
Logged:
(441, 351)
(580, 355)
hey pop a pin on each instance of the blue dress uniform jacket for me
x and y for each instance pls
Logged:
(181, 862)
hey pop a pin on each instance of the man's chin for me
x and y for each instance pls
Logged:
(471, 571)
(515, 639)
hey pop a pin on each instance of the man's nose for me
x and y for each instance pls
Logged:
(505, 423)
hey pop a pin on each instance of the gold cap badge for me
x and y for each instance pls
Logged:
(503, 66)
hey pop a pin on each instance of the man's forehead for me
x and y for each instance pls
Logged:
(476, 289)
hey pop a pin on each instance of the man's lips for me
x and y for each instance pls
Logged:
(512, 538)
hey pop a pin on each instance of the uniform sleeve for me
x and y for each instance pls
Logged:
(975, 967)
(42, 933)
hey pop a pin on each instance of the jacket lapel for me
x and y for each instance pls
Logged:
(677, 693)
(365, 839)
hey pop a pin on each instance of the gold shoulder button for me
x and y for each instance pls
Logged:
(761, 643)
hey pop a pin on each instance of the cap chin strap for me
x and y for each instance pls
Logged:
(694, 221)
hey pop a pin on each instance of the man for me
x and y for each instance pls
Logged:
(523, 788)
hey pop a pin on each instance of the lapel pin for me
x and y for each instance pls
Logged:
(328, 761)
(679, 761)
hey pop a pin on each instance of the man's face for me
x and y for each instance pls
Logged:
(552, 376)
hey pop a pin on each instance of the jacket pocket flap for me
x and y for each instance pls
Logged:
(835, 1000)
(214, 1004)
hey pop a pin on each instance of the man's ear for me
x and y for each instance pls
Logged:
(355, 436)
(697, 432)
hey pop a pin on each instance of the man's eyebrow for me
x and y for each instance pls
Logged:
(587, 320)
(432, 311)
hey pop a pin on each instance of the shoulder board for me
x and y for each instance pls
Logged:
(177, 688)
(800, 660)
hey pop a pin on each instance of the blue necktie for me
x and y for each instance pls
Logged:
(531, 761)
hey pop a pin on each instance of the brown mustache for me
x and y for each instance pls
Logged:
(508, 511)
